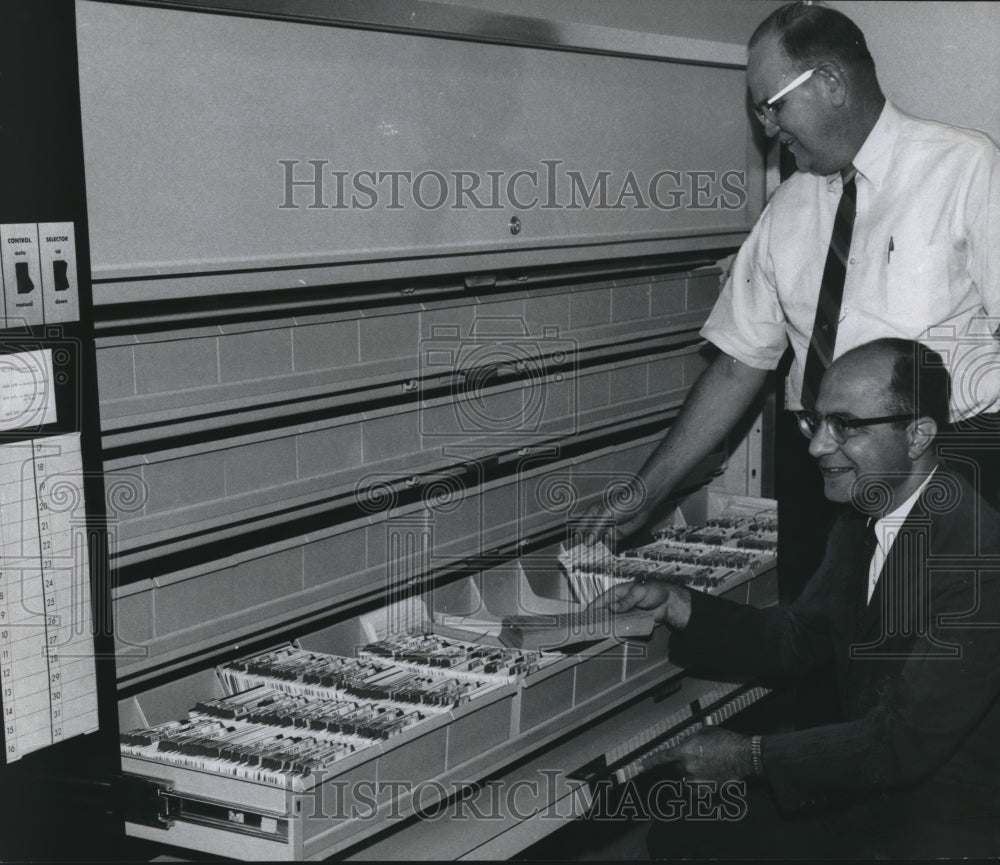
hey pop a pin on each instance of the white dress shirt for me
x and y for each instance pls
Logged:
(924, 260)
(886, 530)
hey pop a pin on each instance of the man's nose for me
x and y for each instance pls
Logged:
(823, 442)
(771, 128)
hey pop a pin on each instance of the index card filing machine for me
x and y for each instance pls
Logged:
(371, 335)
(58, 733)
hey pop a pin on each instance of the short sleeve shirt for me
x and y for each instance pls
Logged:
(924, 261)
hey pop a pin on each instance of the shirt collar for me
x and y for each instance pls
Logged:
(893, 520)
(873, 159)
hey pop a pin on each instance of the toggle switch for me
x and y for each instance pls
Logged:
(59, 272)
(57, 266)
(24, 283)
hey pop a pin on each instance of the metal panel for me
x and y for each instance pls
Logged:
(204, 134)
(637, 36)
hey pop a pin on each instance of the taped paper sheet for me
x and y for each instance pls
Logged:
(27, 391)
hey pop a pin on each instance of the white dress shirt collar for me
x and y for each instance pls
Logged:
(872, 161)
(886, 530)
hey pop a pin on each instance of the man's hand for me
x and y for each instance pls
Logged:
(720, 397)
(623, 510)
(669, 604)
(710, 755)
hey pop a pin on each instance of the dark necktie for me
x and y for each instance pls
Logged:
(831, 292)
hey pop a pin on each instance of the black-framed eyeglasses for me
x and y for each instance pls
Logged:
(840, 426)
(766, 111)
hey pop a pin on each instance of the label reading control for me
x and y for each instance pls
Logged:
(21, 277)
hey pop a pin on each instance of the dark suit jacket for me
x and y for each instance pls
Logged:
(914, 762)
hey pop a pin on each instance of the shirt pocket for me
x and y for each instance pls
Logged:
(922, 285)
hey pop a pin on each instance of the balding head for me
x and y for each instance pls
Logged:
(918, 382)
(810, 34)
(872, 439)
(825, 120)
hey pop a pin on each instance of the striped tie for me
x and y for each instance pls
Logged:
(831, 291)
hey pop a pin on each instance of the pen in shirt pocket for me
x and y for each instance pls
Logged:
(888, 254)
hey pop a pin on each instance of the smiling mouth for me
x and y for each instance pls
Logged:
(788, 140)
(835, 471)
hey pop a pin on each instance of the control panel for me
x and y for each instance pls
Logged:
(39, 274)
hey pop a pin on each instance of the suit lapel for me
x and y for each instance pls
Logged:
(861, 558)
(898, 604)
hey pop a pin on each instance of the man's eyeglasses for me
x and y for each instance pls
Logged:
(839, 425)
(765, 110)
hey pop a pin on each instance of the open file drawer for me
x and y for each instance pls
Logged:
(378, 786)
(441, 758)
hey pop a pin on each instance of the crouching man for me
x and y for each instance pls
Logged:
(906, 606)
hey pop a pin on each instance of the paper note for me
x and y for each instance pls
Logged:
(47, 668)
(27, 391)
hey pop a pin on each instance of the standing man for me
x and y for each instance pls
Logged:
(890, 227)
(906, 605)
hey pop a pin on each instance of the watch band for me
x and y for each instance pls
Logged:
(756, 757)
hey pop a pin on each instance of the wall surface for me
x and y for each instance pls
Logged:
(936, 59)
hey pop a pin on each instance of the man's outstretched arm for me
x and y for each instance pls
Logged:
(719, 398)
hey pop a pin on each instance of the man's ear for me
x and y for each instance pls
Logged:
(834, 82)
(921, 433)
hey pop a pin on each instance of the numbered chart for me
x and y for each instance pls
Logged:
(47, 670)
